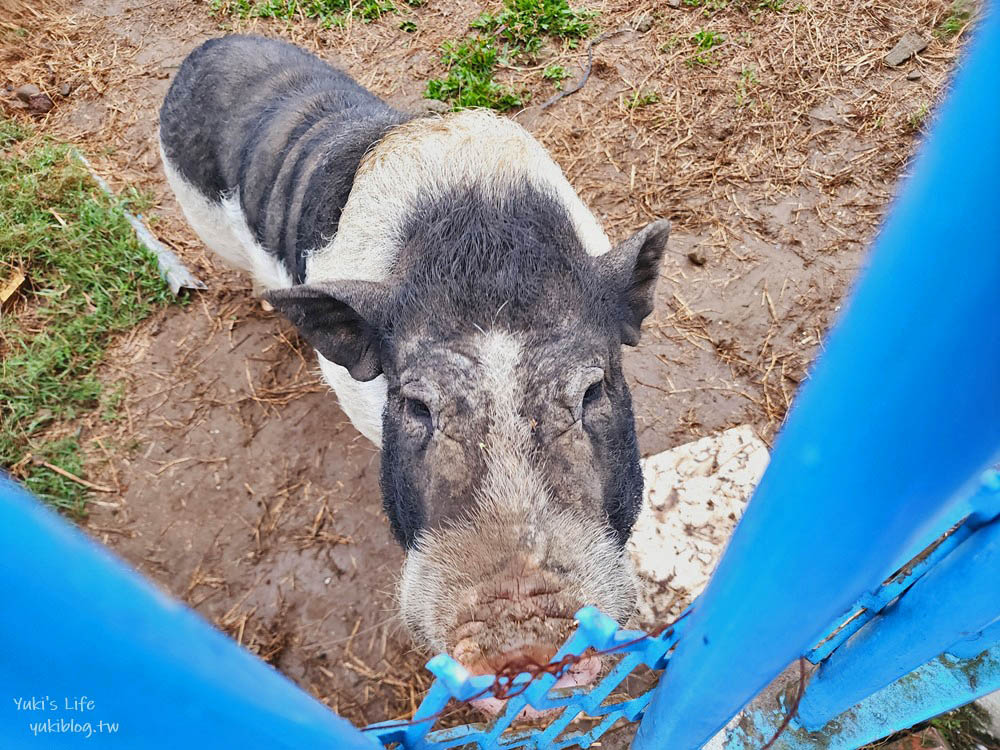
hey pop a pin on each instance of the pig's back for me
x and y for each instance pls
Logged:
(274, 127)
(425, 161)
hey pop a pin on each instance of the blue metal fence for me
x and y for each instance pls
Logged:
(889, 444)
(76, 625)
(894, 428)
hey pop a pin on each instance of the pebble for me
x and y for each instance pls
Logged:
(30, 97)
(40, 104)
(913, 76)
(905, 48)
(644, 23)
(26, 92)
(697, 258)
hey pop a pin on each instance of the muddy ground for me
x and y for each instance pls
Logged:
(240, 485)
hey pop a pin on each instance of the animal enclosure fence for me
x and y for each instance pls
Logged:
(871, 546)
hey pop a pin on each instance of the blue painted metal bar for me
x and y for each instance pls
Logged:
(940, 685)
(870, 605)
(959, 597)
(981, 508)
(898, 421)
(93, 651)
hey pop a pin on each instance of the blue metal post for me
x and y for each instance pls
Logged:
(91, 651)
(897, 423)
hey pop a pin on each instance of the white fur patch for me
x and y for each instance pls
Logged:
(223, 229)
(512, 482)
(361, 401)
(423, 157)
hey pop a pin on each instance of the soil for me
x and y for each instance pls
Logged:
(243, 489)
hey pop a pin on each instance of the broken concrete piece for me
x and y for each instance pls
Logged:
(905, 48)
(991, 705)
(694, 496)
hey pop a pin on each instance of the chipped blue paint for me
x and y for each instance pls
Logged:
(942, 684)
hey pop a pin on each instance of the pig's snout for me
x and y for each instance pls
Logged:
(519, 629)
(499, 593)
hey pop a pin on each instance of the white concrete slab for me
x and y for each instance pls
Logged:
(695, 494)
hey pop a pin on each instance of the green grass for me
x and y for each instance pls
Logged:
(524, 24)
(956, 20)
(754, 7)
(965, 728)
(87, 281)
(471, 64)
(329, 13)
(519, 29)
(916, 120)
(705, 40)
(555, 73)
(642, 99)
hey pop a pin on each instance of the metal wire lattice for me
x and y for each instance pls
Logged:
(594, 630)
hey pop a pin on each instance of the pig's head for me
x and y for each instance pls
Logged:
(510, 470)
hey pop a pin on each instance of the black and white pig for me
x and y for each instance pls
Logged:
(467, 309)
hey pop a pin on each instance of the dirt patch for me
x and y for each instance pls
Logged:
(250, 495)
(242, 487)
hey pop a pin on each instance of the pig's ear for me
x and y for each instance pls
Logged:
(339, 319)
(632, 267)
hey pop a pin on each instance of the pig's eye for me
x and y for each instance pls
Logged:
(418, 410)
(593, 393)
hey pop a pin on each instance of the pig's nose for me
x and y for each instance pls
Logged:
(531, 659)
